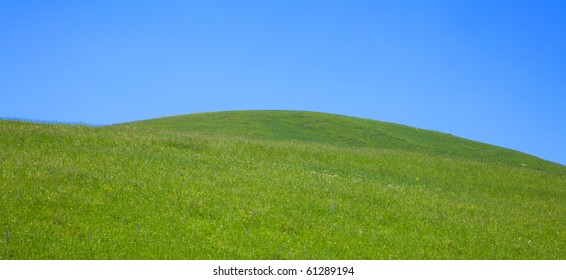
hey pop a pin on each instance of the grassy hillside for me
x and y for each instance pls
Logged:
(272, 185)
(342, 131)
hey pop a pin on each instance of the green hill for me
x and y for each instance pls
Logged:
(272, 185)
(343, 131)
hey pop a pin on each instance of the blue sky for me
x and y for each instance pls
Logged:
(491, 71)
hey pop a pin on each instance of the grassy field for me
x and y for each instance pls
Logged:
(272, 185)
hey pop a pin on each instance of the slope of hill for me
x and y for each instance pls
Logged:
(272, 185)
(344, 131)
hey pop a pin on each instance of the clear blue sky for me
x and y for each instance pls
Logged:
(491, 71)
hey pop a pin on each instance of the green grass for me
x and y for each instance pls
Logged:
(272, 185)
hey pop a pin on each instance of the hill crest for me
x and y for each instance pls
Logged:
(345, 131)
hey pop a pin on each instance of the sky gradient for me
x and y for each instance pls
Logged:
(490, 71)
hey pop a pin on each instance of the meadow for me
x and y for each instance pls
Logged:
(272, 185)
